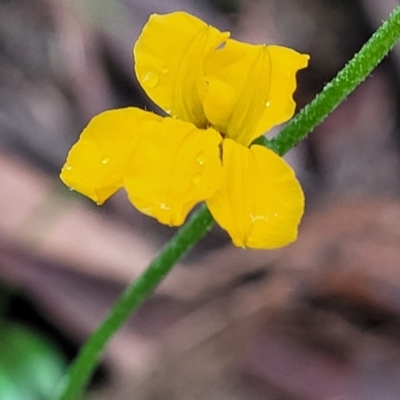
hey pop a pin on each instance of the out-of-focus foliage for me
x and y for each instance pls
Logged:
(30, 367)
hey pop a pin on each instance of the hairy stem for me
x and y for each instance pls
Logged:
(354, 73)
(82, 368)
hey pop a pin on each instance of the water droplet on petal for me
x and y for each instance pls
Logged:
(164, 70)
(164, 206)
(200, 159)
(196, 179)
(105, 160)
(267, 103)
(150, 79)
(169, 112)
(71, 189)
(178, 215)
(68, 167)
(276, 214)
(255, 218)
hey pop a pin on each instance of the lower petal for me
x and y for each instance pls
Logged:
(174, 167)
(260, 202)
(97, 162)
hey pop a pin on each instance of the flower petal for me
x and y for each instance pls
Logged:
(169, 57)
(97, 162)
(250, 88)
(174, 166)
(260, 201)
(280, 105)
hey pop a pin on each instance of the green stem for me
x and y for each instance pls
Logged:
(82, 368)
(354, 73)
(336, 91)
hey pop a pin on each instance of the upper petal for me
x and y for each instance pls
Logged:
(260, 201)
(174, 166)
(250, 88)
(169, 56)
(280, 105)
(97, 162)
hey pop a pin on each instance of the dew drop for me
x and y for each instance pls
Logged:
(164, 206)
(169, 112)
(150, 79)
(200, 159)
(68, 167)
(164, 70)
(260, 217)
(71, 189)
(196, 179)
(268, 104)
(105, 160)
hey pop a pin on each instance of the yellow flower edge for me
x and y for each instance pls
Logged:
(260, 202)
(96, 164)
(220, 95)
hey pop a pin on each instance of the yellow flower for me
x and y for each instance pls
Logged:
(220, 95)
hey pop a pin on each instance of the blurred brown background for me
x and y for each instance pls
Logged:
(316, 320)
